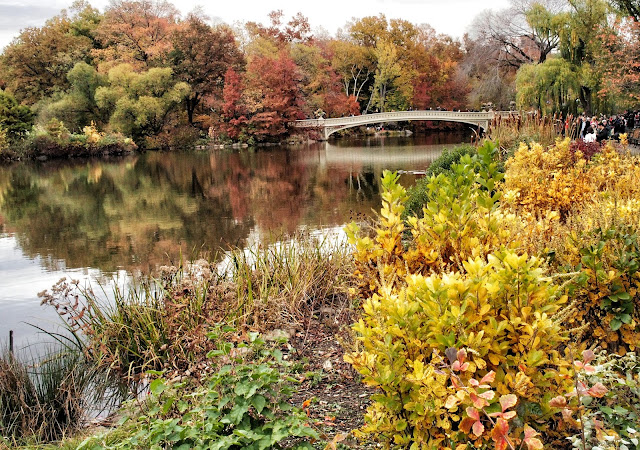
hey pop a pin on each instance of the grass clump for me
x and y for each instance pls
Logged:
(46, 401)
(525, 127)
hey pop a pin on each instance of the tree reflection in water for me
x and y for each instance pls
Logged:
(140, 212)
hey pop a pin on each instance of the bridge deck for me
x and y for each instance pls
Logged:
(400, 116)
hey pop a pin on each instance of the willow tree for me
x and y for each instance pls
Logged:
(140, 104)
(550, 87)
(77, 106)
(580, 42)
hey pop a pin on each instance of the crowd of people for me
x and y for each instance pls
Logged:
(601, 128)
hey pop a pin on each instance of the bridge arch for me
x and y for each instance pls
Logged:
(330, 126)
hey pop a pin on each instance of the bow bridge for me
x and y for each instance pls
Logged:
(330, 126)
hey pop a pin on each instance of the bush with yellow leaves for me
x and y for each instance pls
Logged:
(584, 216)
(460, 221)
(499, 306)
(91, 132)
(4, 140)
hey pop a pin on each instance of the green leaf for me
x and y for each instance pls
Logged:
(167, 405)
(157, 386)
(259, 403)
(616, 324)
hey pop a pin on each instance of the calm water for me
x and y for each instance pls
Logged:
(93, 220)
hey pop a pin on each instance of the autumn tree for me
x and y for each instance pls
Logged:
(389, 45)
(297, 29)
(200, 56)
(234, 111)
(137, 32)
(273, 97)
(36, 62)
(620, 63)
(438, 81)
(392, 87)
(355, 64)
(321, 85)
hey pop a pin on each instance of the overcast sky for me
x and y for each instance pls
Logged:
(446, 16)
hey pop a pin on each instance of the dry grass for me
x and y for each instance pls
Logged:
(162, 324)
(46, 401)
(525, 127)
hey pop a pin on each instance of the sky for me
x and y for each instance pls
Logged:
(451, 17)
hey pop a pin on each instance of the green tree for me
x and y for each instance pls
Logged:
(629, 7)
(77, 107)
(551, 86)
(16, 120)
(140, 104)
(391, 77)
(580, 42)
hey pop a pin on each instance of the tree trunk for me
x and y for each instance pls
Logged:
(191, 103)
(585, 99)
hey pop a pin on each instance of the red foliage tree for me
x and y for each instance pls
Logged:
(234, 110)
(200, 57)
(277, 97)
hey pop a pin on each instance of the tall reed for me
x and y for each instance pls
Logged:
(525, 127)
(281, 284)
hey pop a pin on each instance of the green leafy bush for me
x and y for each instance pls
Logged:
(243, 405)
(446, 163)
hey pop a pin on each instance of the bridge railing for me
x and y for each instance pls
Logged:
(401, 116)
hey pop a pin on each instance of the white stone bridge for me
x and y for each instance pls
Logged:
(330, 126)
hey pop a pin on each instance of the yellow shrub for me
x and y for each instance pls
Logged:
(92, 133)
(4, 140)
(592, 230)
(461, 221)
(500, 310)
(497, 305)
(538, 181)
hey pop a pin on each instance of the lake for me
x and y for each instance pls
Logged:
(99, 221)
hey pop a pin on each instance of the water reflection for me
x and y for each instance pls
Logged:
(136, 213)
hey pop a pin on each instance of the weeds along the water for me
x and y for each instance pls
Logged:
(281, 284)
(161, 323)
(47, 400)
(526, 127)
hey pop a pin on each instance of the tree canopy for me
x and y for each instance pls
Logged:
(144, 69)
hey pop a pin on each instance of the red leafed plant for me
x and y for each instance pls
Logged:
(480, 416)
